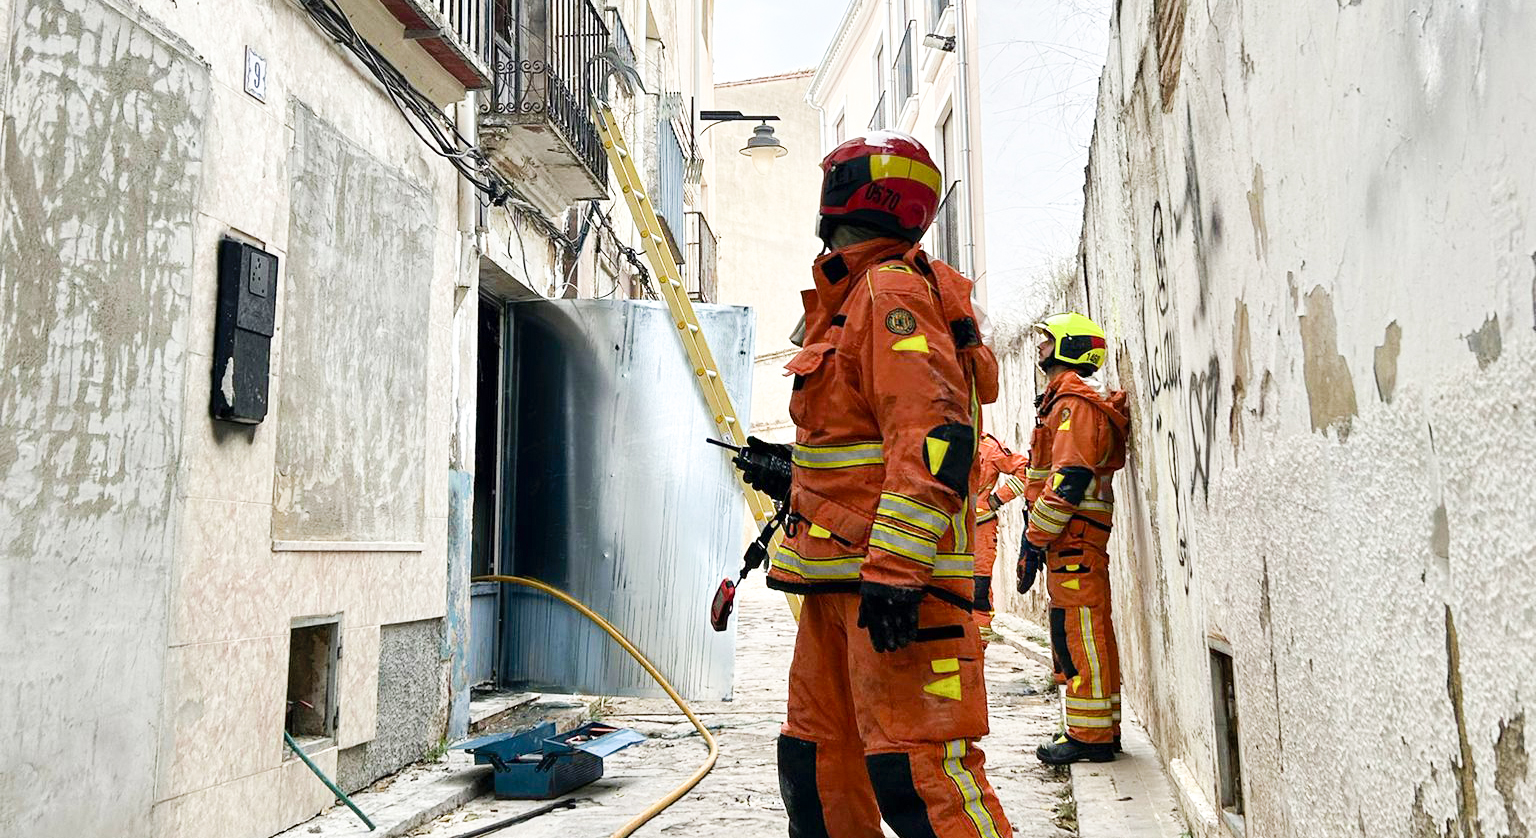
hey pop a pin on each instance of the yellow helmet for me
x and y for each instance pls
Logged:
(1079, 341)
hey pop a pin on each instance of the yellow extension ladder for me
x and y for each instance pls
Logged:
(675, 293)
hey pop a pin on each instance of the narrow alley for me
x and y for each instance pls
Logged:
(741, 796)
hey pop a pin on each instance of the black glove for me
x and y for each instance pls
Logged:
(765, 467)
(890, 614)
(1031, 559)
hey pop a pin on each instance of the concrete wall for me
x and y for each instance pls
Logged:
(1308, 232)
(104, 168)
(766, 225)
(149, 606)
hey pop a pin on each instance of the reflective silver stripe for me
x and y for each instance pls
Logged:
(902, 543)
(954, 565)
(962, 532)
(839, 456)
(908, 511)
(832, 568)
(1089, 721)
(1015, 483)
(1033, 474)
(1096, 506)
(983, 517)
(970, 791)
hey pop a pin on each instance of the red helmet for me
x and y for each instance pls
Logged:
(885, 181)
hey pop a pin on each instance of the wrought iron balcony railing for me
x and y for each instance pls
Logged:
(543, 62)
(946, 226)
(877, 122)
(703, 260)
(903, 72)
(935, 11)
(667, 194)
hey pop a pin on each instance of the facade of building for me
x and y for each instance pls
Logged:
(767, 229)
(1308, 234)
(884, 71)
(204, 199)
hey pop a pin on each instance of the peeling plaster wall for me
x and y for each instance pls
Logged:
(103, 163)
(146, 610)
(1308, 232)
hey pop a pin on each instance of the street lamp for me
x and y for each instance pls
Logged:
(763, 147)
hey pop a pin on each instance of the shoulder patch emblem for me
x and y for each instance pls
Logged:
(1066, 420)
(900, 322)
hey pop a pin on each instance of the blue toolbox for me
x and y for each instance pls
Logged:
(536, 763)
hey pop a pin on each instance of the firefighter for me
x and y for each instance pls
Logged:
(998, 482)
(1077, 446)
(886, 691)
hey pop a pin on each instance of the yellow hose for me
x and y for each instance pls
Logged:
(714, 749)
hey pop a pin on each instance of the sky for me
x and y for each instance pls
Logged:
(755, 38)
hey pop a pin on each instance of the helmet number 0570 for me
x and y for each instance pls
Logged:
(883, 196)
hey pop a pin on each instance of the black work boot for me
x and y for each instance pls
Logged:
(1064, 750)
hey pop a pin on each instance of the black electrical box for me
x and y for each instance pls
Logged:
(242, 332)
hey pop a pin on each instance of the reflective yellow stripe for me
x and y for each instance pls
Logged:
(1045, 523)
(1085, 621)
(1015, 484)
(839, 456)
(913, 512)
(831, 568)
(954, 565)
(983, 517)
(1033, 474)
(902, 543)
(1074, 703)
(970, 790)
(891, 165)
(1074, 720)
(1096, 506)
(962, 532)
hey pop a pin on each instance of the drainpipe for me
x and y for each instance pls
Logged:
(963, 73)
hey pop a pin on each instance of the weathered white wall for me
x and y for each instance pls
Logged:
(148, 611)
(104, 168)
(1314, 259)
(766, 224)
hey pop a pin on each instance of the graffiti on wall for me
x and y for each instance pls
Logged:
(1184, 403)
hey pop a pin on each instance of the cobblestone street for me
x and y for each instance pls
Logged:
(740, 798)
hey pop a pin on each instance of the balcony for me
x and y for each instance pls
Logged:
(537, 128)
(878, 121)
(618, 40)
(903, 71)
(702, 270)
(441, 46)
(946, 227)
(935, 11)
(674, 163)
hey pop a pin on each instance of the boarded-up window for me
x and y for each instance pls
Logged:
(1170, 46)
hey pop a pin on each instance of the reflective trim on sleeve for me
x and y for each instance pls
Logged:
(1090, 505)
(902, 543)
(913, 513)
(839, 456)
(1033, 474)
(984, 516)
(1015, 484)
(1047, 519)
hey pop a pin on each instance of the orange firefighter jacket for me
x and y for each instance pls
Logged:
(886, 399)
(1077, 446)
(994, 460)
(999, 472)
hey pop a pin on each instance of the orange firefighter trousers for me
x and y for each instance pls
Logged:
(1083, 634)
(892, 735)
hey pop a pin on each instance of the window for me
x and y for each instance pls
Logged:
(1228, 750)
(880, 85)
(840, 130)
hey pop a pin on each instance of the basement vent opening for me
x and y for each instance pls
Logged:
(311, 714)
(1228, 748)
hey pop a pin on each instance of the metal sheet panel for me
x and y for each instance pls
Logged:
(616, 497)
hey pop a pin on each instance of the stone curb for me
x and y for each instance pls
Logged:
(1128, 798)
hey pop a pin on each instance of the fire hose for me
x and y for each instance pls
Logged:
(709, 739)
